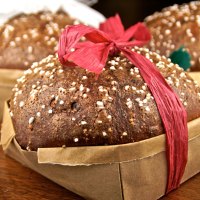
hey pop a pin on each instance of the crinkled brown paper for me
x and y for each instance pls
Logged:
(130, 171)
(8, 79)
(195, 76)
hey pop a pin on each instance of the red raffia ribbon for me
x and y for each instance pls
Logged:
(112, 38)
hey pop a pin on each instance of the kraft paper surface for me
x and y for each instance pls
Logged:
(195, 76)
(7, 81)
(130, 171)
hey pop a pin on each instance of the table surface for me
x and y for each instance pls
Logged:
(20, 183)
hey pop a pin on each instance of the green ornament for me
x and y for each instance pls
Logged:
(181, 57)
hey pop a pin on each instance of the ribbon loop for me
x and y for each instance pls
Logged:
(113, 27)
(109, 39)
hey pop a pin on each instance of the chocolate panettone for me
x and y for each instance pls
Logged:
(175, 27)
(54, 106)
(26, 38)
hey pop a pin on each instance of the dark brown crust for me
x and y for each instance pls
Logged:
(27, 38)
(75, 109)
(174, 27)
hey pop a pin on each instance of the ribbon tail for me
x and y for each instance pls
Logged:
(173, 115)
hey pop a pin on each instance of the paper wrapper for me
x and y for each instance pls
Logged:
(130, 171)
(195, 76)
(7, 82)
(75, 9)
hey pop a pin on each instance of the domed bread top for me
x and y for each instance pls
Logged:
(174, 27)
(55, 106)
(26, 38)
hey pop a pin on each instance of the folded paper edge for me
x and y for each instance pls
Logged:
(9, 76)
(195, 76)
(7, 129)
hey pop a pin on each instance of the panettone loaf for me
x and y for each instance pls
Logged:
(26, 38)
(55, 106)
(174, 27)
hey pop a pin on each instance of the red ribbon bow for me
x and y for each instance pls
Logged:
(112, 38)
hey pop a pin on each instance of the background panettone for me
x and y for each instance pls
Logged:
(175, 27)
(133, 11)
(53, 106)
(26, 38)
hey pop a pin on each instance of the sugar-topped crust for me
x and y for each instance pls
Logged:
(55, 106)
(27, 38)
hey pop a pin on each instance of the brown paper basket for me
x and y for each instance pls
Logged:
(8, 79)
(195, 76)
(130, 171)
